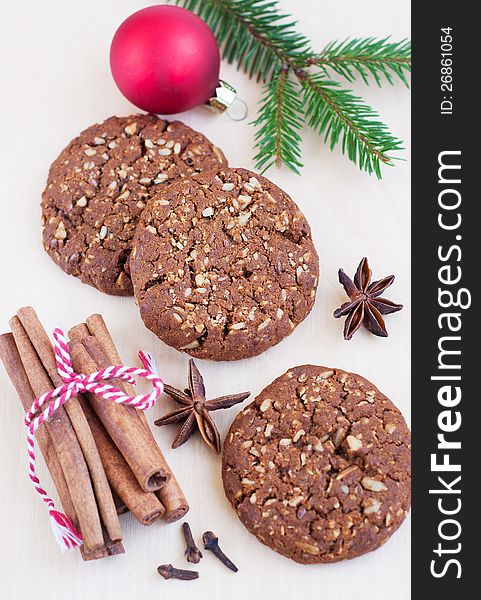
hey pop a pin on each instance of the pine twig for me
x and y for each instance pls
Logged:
(279, 120)
(257, 37)
(252, 33)
(364, 57)
(342, 117)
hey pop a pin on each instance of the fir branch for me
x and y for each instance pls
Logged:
(257, 37)
(279, 120)
(253, 34)
(364, 57)
(342, 117)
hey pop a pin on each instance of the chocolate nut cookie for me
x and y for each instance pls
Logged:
(318, 466)
(99, 185)
(223, 267)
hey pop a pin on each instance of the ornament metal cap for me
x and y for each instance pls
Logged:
(224, 99)
(225, 95)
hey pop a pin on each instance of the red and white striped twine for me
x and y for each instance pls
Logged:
(74, 383)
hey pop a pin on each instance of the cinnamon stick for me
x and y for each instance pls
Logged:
(174, 501)
(96, 554)
(78, 333)
(67, 447)
(41, 342)
(145, 506)
(170, 495)
(143, 457)
(119, 503)
(112, 547)
(98, 328)
(13, 366)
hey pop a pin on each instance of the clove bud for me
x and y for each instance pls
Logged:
(170, 572)
(192, 553)
(211, 542)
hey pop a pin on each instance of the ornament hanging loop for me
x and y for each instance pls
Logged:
(241, 112)
(225, 98)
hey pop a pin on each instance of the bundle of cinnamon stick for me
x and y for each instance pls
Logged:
(102, 456)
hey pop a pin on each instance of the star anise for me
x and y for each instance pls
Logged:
(365, 305)
(194, 411)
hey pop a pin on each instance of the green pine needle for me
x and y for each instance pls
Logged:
(364, 57)
(341, 117)
(253, 33)
(257, 37)
(279, 120)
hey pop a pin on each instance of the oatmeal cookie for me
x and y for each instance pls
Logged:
(223, 267)
(99, 185)
(318, 466)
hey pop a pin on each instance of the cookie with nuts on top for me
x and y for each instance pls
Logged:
(99, 185)
(223, 266)
(318, 466)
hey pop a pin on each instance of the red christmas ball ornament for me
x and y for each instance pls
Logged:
(165, 59)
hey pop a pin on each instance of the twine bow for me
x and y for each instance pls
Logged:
(76, 383)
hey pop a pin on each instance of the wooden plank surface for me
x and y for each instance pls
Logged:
(56, 82)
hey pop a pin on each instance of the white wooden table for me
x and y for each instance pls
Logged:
(55, 81)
